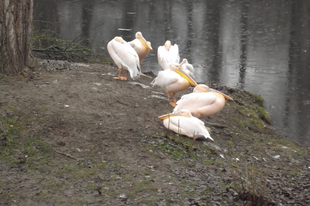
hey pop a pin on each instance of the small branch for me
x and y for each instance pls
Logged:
(216, 125)
(67, 155)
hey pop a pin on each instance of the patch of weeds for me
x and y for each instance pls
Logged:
(49, 43)
(263, 114)
(9, 128)
(177, 147)
(69, 168)
(54, 185)
(258, 99)
(290, 148)
(209, 162)
(127, 177)
(92, 186)
(84, 173)
(250, 185)
(102, 165)
(143, 186)
(230, 144)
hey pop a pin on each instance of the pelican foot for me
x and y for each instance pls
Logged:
(120, 78)
(145, 75)
(173, 104)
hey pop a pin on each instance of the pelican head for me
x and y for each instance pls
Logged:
(183, 113)
(205, 88)
(177, 68)
(147, 44)
(119, 39)
(168, 45)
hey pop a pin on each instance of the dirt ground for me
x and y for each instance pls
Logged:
(72, 135)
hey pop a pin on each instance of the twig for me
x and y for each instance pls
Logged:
(122, 103)
(67, 155)
(82, 35)
(306, 186)
(216, 125)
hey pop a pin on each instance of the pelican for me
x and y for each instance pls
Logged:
(168, 54)
(173, 80)
(184, 123)
(186, 67)
(125, 57)
(141, 46)
(204, 101)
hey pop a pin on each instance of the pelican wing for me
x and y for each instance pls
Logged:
(165, 78)
(124, 54)
(191, 127)
(174, 54)
(134, 43)
(188, 69)
(165, 57)
(194, 101)
(162, 54)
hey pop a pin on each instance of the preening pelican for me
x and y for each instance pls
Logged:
(173, 80)
(168, 54)
(184, 123)
(204, 101)
(187, 68)
(141, 46)
(125, 57)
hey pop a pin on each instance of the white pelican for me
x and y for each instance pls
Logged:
(186, 67)
(173, 80)
(168, 54)
(184, 123)
(141, 46)
(125, 57)
(204, 101)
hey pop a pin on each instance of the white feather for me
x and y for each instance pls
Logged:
(125, 57)
(166, 57)
(189, 126)
(194, 101)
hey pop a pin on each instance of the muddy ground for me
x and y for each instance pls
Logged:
(72, 135)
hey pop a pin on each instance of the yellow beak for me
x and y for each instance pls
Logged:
(166, 116)
(226, 96)
(188, 78)
(144, 42)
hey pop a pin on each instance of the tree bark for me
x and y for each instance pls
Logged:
(16, 36)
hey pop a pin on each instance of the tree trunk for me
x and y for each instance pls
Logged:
(16, 36)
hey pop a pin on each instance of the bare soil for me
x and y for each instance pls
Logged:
(70, 134)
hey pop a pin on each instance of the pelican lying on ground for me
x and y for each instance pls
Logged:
(173, 80)
(141, 46)
(184, 123)
(168, 54)
(125, 57)
(204, 101)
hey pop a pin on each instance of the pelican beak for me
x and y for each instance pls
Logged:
(144, 42)
(181, 64)
(188, 78)
(214, 90)
(166, 116)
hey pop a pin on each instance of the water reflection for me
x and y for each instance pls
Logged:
(259, 46)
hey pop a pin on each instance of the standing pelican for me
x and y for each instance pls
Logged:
(186, 67)
(141, 46)
(173, 80)
(204, 101)
(125, 57)
(184, 123)
(168, 54)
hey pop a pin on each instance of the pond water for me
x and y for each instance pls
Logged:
(259, 46)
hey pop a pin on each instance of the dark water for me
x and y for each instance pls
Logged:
(259, 46)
